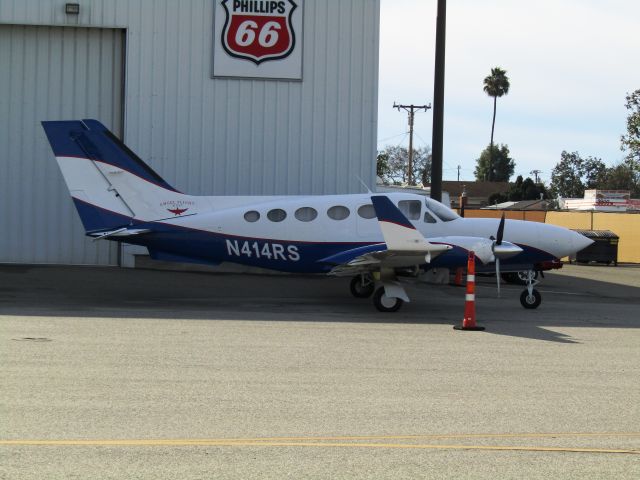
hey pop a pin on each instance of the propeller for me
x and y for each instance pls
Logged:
(498, 242)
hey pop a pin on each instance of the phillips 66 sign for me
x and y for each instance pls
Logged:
(258, 39)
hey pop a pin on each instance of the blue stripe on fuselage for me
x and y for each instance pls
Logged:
(275, 254)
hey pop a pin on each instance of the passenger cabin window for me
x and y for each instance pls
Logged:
(252, 216)
(306, 214)
(410, 208)
(439, 210)
(276, 215)
(367, 211)
(428, 218)
(338, 212)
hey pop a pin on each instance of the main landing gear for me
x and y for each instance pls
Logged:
(388, 298)
(530, 298)
(386, 304)
(362, 286)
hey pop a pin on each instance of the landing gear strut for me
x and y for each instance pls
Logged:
(530, 298)
(362, 286)
(518, 278)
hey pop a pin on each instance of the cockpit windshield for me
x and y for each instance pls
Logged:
(439, 210)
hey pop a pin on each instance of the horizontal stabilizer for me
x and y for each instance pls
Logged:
(119, 232)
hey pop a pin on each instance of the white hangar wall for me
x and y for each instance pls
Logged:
(205, 135)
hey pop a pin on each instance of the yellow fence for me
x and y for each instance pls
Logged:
(625, 225)
(530, 215)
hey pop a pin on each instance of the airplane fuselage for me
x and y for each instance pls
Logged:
(295, 233)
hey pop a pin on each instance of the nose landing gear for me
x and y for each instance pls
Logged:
(530, 298)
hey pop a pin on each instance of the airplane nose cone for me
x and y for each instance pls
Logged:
(579, 241)
(570, 243)
(560, 241)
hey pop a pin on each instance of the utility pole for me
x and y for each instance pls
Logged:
(536, 173)
(410, 109)
(458, 172)
(438, 103)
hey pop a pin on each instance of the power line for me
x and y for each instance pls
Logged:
(391, 137)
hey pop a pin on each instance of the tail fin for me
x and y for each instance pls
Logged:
(110, 184)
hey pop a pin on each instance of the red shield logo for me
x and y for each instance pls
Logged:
(258, 30)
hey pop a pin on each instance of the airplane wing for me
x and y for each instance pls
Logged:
(404, 246)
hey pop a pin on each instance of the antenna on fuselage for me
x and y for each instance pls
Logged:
(364, 184)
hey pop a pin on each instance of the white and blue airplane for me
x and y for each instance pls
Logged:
(375, 238)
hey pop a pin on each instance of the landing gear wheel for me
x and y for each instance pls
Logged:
(384, 303)
(362, 286)
(530, 301)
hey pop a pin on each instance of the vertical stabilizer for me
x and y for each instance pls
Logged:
(110, 185)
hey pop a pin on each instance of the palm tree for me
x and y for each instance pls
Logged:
(495, 85)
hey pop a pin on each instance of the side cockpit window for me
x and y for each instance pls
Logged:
(410, 208)
(428, 218)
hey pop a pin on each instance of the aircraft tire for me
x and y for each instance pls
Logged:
(386, 304)
(362, 291)
(530, 301)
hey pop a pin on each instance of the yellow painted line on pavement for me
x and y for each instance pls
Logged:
(362, 441)
(223, 443)
(443, 436)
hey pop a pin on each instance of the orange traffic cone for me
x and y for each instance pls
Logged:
(469, 320)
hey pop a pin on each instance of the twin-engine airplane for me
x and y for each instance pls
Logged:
(373, 238)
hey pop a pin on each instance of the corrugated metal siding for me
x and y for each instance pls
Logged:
(49, 73)
(234, 136)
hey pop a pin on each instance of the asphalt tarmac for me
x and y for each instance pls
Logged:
(110, 373)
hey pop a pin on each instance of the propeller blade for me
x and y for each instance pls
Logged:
(500, 231)
(498, 274)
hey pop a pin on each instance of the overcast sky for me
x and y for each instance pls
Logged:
(570, 63)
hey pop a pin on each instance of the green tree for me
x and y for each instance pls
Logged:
(382, 165)
(495, 85)
(495, 163)
(623, 176)
(573, 174)
(392, 165)
(631, 141)
(521, 189)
